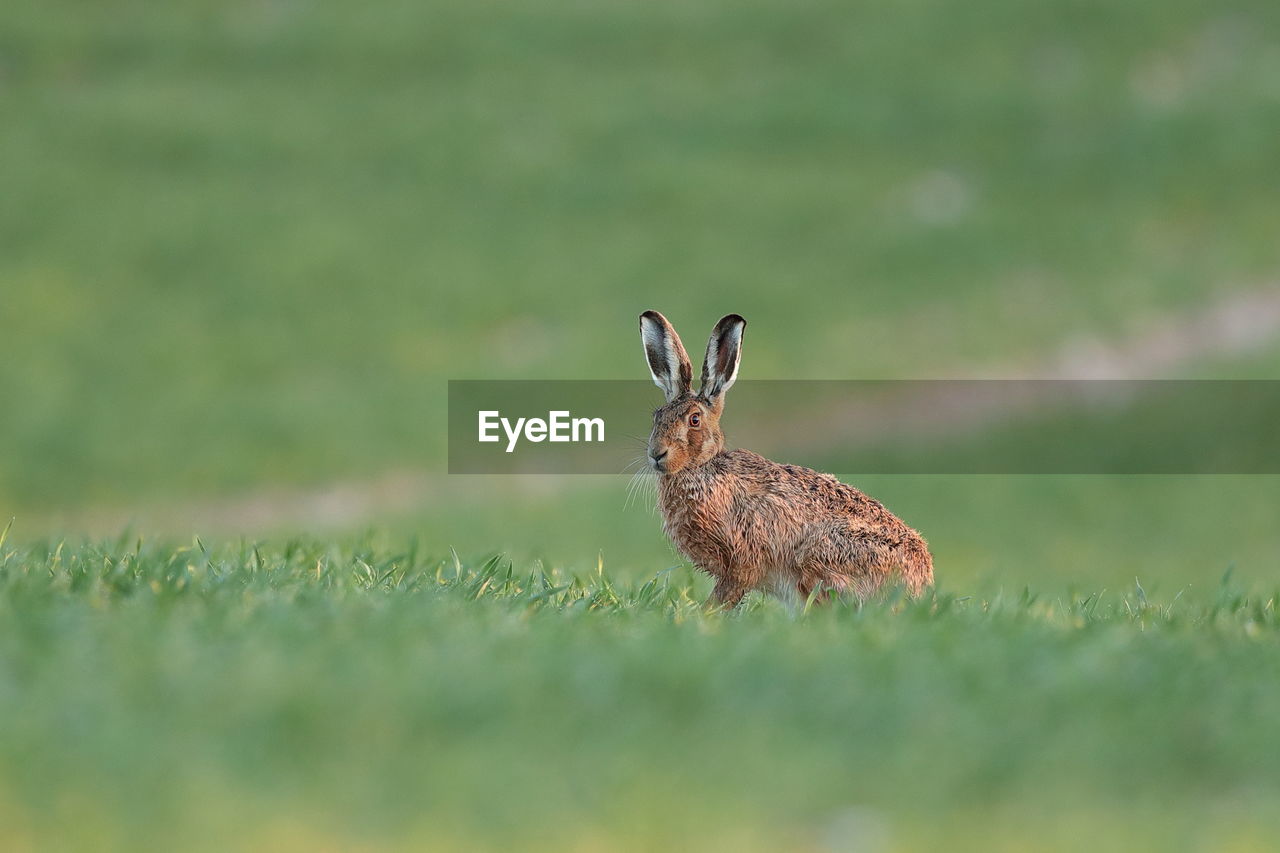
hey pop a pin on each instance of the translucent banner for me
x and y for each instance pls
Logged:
(885, 426)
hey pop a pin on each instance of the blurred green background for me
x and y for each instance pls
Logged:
(244, 244)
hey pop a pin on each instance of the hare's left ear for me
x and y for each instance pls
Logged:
(668, 362)
(723, 352)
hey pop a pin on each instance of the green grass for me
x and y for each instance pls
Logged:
(1057, 534)
(245, 243)
(379, 696)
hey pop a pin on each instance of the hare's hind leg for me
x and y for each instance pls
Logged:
(845, 559)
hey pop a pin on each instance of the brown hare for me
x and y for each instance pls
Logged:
(751, 523)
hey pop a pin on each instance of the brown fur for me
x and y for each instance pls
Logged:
(755, 524)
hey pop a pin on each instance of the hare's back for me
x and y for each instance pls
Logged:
(817, 494)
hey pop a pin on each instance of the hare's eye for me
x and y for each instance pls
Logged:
(695, 420)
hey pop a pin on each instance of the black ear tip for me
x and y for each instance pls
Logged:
(731, 319)
(651, 315)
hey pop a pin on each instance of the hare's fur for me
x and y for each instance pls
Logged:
(755, 524)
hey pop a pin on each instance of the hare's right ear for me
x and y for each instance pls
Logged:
(668, 362)
(724, 350)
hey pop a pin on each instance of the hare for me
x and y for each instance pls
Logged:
(751, 523)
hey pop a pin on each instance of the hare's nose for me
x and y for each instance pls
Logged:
(656, 458)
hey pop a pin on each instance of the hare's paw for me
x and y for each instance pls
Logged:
(726, 596)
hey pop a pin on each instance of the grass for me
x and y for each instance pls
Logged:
(307, 695)
(1057, 533)
(244, 244)
(247, 243)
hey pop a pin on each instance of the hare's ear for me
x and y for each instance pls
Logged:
(723, 353)
(668, 362)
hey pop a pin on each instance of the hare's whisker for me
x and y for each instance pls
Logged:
(642, 483)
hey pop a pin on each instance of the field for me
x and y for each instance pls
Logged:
(245, 243)
(312, 697)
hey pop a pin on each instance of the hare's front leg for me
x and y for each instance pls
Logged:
(727, 594)
(809, 588)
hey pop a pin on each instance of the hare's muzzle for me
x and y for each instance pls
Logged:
(658, 460)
